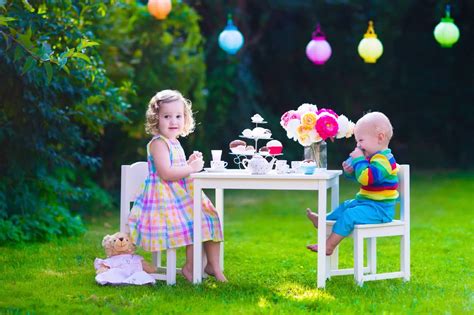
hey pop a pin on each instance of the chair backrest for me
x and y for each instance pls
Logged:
(404, 191)
(132, 179)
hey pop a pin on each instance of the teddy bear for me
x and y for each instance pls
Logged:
(122, 266)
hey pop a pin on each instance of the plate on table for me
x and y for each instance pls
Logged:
(215, 170)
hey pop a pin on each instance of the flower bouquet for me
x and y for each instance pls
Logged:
(311, 127)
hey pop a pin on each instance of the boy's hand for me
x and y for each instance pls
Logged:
(356, 153)
(347, 167)
(197, 164)
(194, 156)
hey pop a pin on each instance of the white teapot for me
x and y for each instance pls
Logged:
(258, 165)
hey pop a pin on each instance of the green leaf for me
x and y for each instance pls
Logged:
(62, 61)
(86, 43)
(4, 19)
(18, 53)
(82, 56)
(30, 62)
(28, 6)
(65, 68)
(25, 40)
(45, 52)
(49, 72)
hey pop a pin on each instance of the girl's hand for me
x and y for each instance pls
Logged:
(196, 165)
(194, 156)
(356, 153)
(347, 167)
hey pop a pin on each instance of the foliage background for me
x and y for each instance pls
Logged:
(72, 111)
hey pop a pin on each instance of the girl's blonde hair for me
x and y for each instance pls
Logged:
(163, 97)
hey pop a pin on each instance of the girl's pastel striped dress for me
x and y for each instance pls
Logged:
(162, 216)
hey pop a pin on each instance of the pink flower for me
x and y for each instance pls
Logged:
(289, 115)
(327, 110)
(327, 126)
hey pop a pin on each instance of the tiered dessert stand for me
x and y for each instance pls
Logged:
(241, 156)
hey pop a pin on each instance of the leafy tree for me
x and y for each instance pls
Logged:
(55, 101)
(150, 55)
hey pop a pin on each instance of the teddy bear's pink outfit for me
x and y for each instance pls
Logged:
(124, 269)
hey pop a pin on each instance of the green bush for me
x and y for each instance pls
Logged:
(56, 100)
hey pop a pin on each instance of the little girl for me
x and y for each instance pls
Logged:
(162, 216)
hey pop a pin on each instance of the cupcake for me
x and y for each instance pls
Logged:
(263, 150)
(274, 147)
(237, 146)
(237, 143)
(257, 118)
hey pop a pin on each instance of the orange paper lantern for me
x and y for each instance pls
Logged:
(159, 8)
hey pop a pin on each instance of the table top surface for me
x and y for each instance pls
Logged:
(245, 174)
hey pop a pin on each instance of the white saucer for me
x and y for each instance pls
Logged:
(214, 170)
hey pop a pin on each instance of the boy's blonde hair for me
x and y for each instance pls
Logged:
(163, 97)
(378, 122)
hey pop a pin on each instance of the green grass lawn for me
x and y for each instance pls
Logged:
(268, 267)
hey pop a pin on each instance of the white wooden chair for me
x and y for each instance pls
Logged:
(132, 181)
(370, 232)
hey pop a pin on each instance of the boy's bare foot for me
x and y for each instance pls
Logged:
(187, 272)
(314, 248)
(218, 275)
(313, 217)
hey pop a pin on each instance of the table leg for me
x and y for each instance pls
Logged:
(220, 211)
(335, 194)
(322, 202)
(332, 262)
(197, 248)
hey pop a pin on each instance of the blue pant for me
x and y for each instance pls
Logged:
(354, 211)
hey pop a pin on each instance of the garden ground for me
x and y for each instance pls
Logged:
(268, 267)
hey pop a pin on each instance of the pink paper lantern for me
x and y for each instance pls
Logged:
(318, 49)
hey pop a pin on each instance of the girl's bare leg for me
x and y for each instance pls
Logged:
(213, 267)
(187, 269)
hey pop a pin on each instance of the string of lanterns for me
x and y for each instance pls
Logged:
(318, 49)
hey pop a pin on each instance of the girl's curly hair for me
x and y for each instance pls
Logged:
(163, 97)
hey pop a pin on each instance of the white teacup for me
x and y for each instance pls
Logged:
(218, 165)
(295, 164)
(281, 167)
(216, 155)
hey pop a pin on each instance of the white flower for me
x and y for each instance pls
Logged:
(291, 129)
(314, 136)
(350, 129)
(306, 107)
(343, 123)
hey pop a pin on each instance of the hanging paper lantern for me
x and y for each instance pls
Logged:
(230, 39)
(446, 32)
(159, 8)
(370, 48)
(318, 49)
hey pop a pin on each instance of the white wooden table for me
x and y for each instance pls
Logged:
(242, 179)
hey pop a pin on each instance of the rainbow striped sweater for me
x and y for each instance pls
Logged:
(377, 176)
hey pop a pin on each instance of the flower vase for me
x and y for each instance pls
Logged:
(317, 152)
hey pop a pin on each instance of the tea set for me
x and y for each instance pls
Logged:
(262, 161)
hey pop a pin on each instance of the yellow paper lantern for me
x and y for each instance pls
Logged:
(159, 8)
(370, 48)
